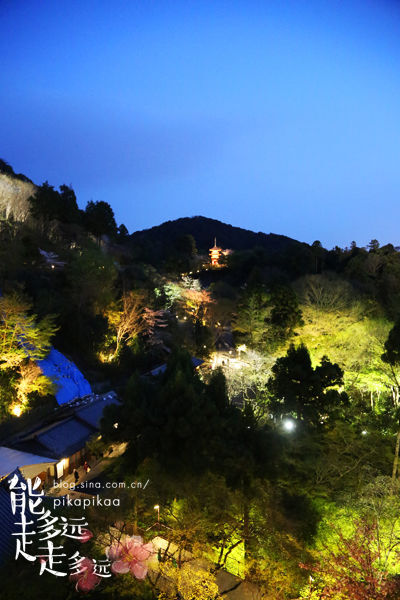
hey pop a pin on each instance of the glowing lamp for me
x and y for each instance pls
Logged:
(289, 425)
(157, 508)
(16, 410)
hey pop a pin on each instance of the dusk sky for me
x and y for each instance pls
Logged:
(275, 116)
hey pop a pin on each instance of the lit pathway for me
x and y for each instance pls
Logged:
(96, 469)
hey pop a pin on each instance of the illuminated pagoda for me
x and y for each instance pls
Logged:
(215, 253)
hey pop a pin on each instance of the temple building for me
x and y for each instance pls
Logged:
(215, 253)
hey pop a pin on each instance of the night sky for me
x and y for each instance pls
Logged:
(275, 116)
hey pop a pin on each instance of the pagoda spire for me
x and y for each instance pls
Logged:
(215, 253)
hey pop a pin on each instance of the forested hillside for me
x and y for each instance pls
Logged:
(277, 458)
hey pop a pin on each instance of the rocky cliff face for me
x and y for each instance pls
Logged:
(14, 194)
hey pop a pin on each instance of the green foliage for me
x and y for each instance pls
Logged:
(99, 219)
(350, 330)
(229, 485)
(358, 546)
(162, 419)
(47, 204)
(8, 386)
(173, 293)
(90, 276)
(310, 394)
(22, 334)
(23, 339)
(392, 346)
(285, 314)
(251, 320)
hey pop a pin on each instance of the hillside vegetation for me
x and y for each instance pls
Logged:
(278, 457)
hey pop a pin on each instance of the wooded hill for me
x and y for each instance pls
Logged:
(204, 230)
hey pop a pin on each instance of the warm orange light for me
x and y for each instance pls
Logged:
(215, 252)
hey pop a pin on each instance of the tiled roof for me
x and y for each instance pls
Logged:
(92, 412)
(11, 459)
(66, 437)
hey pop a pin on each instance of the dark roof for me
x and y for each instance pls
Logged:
(196, 362)
(92, 413)
(11, 459)
(65, 438)
(67, 435)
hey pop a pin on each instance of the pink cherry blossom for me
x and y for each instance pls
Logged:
(85, 536)
(86, 579)
(130, 556)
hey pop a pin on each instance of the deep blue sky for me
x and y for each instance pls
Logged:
(279, 116)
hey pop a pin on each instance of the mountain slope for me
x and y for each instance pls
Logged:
(204, 230)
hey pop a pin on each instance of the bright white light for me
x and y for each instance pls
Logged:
(288, 424)
(17, 410)
(364, 432)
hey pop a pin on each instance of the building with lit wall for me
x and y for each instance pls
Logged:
(54, 448)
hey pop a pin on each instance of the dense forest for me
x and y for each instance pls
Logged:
(277, 459)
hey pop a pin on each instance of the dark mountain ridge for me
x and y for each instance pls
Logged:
(204, 230)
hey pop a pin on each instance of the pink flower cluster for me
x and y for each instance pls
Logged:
(86, 535)
(86, 579)
(130, 556)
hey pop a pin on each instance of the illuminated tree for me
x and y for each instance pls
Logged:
(33, 380)
(197, 303)
(173, 293)
(131, 318)
(127, 320)
(354, 568)
(249, 382)
(323, 292)
(22, 336)
(392, 357)
(155, 321)
(350, 331)
(188, 580)
(23, 340)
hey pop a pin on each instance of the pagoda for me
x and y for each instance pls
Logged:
(215, 253)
